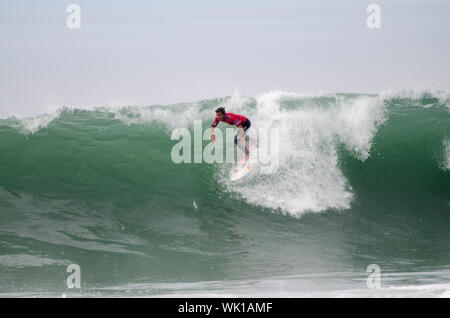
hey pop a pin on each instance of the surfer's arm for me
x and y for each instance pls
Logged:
(213, 138)
(214, 124)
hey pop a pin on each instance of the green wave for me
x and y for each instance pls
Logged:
(98, 188)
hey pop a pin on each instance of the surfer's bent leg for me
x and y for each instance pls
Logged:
(246, 125)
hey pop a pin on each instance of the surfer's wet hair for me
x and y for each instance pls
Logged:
(220, 110)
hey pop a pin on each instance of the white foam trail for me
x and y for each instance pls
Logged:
(309, 178)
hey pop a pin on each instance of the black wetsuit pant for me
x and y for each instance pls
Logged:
(246, 126)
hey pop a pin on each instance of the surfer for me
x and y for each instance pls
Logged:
(240, 121)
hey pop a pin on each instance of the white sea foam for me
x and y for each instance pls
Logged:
(308, 177)
(443, 96)
(446, 161)
(328, 285)
(31, 125)
(25, 260)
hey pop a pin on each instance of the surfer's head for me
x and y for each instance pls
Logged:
(220, 112)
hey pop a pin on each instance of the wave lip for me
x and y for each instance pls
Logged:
(31, 125)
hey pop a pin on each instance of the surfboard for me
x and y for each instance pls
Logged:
(240, 171)
(242, 167)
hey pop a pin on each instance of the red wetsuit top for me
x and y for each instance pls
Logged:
(230, 119)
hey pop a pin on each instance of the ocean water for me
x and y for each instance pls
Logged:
(362, 179)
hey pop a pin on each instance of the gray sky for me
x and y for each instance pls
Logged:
(163, 52)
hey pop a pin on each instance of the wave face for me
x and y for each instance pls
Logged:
(361, 179)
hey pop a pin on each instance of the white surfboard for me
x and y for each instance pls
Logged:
(240, 171)
(243, 167)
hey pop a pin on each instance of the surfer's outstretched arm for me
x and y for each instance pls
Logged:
(213, 125)
(213, 138)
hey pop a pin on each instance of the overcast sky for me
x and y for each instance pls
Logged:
(163, 52)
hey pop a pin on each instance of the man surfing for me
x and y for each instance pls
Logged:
(240, 121)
